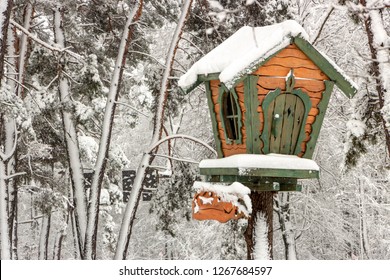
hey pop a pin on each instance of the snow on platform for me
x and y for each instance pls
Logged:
(245, 163)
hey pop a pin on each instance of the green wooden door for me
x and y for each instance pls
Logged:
(284, 117)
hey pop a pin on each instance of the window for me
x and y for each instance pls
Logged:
(231, 115)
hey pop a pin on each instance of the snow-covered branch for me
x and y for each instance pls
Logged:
(182, 136)
(44, 44)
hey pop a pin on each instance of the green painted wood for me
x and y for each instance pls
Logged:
(248, 115)
(307, 104)
(274, 127)
(277, 123)
(267, 106)
(254, 114)
(250, 179)
(344, 85)
(290, 188)
(258, 183)
(209, 77)
(298, 117)
(214, 123)
(262, 172)
(288, 123)
(316, 126)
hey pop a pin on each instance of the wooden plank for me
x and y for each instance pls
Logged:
(268, 106)
(288, 123)
(297, 124)
(316, 126)
(299, 72)
(214, 123)
(276, 122)
(291, 62)
(292, 52)
(271, 83)
(255, 115)
(248, 114)
(344, 85)
(209, 77)
(262, 172)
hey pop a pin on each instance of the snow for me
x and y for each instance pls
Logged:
(233, 193)
(356, 127)
(240, 53)
(245, 162)
(215, 5)
(261, 248)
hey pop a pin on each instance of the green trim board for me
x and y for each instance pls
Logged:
(262, 172)
(214, 123)
(258, 183)
(343, 84)
(316, 126)
(255, 118)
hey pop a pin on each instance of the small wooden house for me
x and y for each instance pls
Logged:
(268, 90)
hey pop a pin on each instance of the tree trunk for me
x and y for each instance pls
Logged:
(283, 211)
(262, 203)
(5, 14)
(108, 122)
(71, 140)
(380, 65)
(131, 208)
(44, 237)
(4, 230)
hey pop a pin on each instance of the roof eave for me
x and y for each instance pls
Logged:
(342, 83)
(201, 78)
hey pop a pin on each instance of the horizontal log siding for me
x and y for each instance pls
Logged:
(309, 78)
(229, 149)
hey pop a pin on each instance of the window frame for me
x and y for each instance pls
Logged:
(235, 116)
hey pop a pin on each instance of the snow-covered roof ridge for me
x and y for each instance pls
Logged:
(249, 47)
(245, 48)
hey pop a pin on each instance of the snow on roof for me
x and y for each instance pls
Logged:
(269, 161)
(242, 51)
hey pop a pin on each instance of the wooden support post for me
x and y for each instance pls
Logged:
(262, 202)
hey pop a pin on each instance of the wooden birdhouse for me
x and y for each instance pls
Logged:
(268, 90)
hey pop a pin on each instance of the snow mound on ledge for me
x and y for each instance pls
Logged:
(242, 51)
(269, 161)
(236, 193)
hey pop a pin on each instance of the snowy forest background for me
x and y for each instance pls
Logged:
(92, 85)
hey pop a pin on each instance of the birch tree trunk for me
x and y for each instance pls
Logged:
(6, 253)
(108, 122)
(4, 226)
(71, 140)
(8, 142)
(44, 236)
(131, 207)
